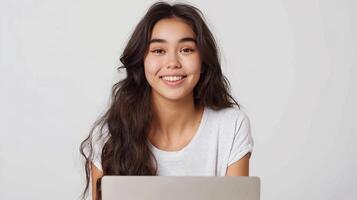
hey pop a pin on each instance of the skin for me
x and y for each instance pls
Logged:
(173, 51)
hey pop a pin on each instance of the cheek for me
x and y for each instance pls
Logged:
(193, 66)
(151, 68)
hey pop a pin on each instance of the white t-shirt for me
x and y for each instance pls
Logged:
(223, 137)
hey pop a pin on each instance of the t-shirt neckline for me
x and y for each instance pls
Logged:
(194, 138)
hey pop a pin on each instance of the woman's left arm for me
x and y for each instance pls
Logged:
(239, 168)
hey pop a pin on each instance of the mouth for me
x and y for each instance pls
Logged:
(174, 80)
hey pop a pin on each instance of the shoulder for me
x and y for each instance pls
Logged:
(228, 115)
(229, 123)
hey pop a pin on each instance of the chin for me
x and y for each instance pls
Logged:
(174, 95)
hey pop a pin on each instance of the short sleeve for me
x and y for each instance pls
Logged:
(242, 140)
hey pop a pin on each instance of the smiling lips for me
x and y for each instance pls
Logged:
(173, 80)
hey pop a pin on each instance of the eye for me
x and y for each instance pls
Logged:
(158, 51)
(187, 50)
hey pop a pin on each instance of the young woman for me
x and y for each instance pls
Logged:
(172, 115)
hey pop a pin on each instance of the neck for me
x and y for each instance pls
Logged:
(172, 118)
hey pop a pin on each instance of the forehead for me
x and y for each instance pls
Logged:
(172, 30)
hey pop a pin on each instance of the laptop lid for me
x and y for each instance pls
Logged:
(180, 188)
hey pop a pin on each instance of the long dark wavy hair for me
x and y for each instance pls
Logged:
(128, 118)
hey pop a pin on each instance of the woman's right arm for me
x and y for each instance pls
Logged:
(96, 174)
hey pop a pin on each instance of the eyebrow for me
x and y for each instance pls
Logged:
(185, 39)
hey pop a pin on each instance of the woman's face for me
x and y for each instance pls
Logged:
(172, 64)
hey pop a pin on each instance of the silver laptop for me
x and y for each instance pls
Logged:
(180, 188)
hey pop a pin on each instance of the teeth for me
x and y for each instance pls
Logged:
(172, 78)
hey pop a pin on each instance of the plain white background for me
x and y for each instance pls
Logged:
(291, 64)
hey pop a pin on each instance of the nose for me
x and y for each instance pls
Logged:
(172, 61)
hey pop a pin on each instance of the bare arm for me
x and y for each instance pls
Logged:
(96, 174)
(239, 168)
